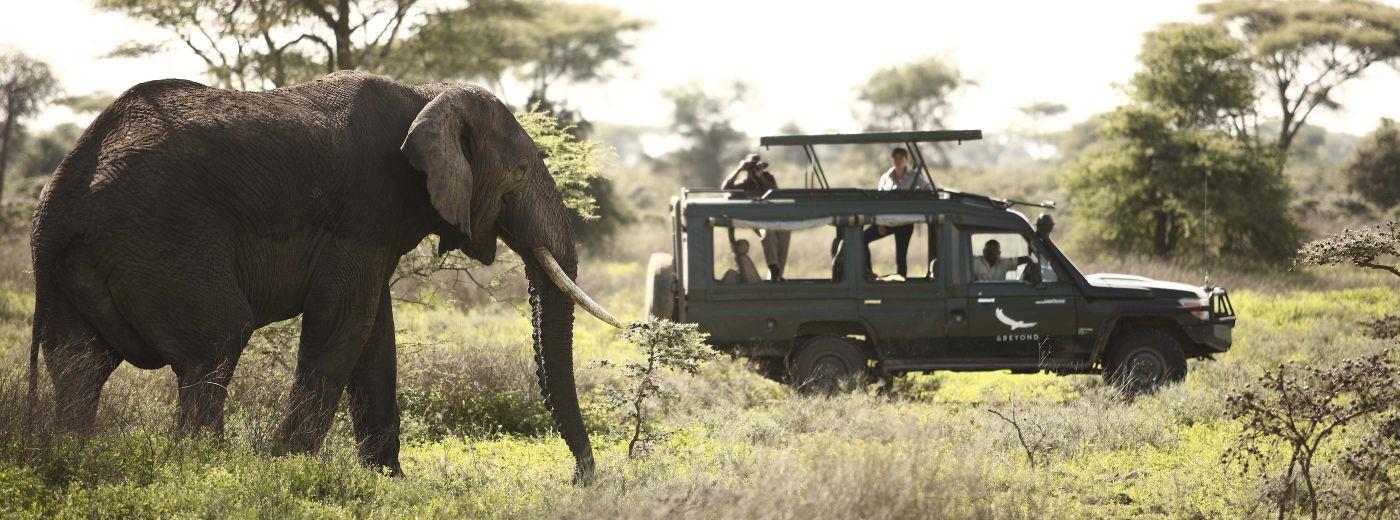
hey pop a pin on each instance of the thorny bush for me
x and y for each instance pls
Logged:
(1301, 408)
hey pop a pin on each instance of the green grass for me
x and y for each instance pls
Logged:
(477, 445)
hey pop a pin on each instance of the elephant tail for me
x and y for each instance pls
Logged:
(41, 304)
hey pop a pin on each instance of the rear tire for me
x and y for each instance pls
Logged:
(827, 364)
(661, 278)
(1144, 360)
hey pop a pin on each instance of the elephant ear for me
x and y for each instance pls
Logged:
(434, 147)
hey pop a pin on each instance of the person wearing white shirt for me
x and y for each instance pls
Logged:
(991, 267)
(898, 178)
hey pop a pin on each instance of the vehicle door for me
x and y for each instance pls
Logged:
(905, 314)
(1010, 313)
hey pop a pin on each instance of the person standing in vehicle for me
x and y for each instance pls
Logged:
(899, 177)
(753, 177)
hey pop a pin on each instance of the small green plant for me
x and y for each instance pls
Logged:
(665, 345)
(1301, 408)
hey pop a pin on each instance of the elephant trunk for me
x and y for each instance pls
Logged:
(552, 316)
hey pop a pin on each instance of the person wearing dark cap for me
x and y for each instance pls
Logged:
(752, 176)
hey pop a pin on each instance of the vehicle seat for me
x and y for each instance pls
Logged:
(747, 273)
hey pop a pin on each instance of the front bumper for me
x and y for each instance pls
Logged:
(1215, 336)
(1217, 332)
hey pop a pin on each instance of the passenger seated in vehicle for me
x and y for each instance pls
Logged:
(753, 177)
(745, 272)
(991, 267)
(898, 177)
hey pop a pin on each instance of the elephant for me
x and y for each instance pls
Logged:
(186, 217)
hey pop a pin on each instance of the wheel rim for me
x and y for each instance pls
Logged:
(828, 372)
(1144, 369)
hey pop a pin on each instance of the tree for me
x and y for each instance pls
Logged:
(1148, 187)
(1303, 50)
(25, 85)
(706, 121)
(575, 43)
(255, 44)
(1198, 74)
(43, 152)
(1374, 168)
(913, 96)
(1037, 112)
(1176, 170)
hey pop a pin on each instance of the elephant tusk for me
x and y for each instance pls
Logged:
(560, 279)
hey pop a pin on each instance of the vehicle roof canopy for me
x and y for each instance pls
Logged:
(927, 136)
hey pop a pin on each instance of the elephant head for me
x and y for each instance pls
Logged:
(487, 179)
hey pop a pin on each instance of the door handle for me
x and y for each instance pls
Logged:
(986, 300)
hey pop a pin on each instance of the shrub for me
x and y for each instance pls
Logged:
(1303, 407)
(666, 345)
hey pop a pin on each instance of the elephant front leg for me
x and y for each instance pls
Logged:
(373, 405)
(335, 328)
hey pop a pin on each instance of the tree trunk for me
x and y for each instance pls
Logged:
(344, 58)
(6, 135)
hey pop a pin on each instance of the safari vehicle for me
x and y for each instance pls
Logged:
(827, 324)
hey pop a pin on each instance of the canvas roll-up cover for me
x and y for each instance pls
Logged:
(783, 225)
(798, 225)
(900, 220)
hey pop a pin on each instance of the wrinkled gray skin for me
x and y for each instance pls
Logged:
(186, 217)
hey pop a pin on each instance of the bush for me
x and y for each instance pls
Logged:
(1374, 169)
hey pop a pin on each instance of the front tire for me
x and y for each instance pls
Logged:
(827, 364)
(1144, 360)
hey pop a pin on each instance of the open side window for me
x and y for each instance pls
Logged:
(750, 252)
(999, 256)
(921, 257)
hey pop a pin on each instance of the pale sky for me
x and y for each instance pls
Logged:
(806, 58)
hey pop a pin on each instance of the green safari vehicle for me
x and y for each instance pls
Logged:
(828, 321)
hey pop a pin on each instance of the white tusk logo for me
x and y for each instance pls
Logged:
(1002, 317)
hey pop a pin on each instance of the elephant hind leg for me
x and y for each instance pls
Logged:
(203, 391)
(79, 363)
(373, 405)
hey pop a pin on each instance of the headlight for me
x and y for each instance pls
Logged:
(1202, 303)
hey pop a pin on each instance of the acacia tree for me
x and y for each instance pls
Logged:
(705, 118)
(1302, 50)
(25, 85)
(1037, 112)
(913, 96)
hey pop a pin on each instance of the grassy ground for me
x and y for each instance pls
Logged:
(477, 444)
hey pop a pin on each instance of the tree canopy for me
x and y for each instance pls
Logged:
(1374, 168)
(256, 44)
(705, 119)
(1302, 50)
(1174, 172)
(913, 96)
(26, 84)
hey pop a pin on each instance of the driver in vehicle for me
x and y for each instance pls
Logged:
(991, 267)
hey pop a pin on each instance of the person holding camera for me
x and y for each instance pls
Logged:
(753, 177)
